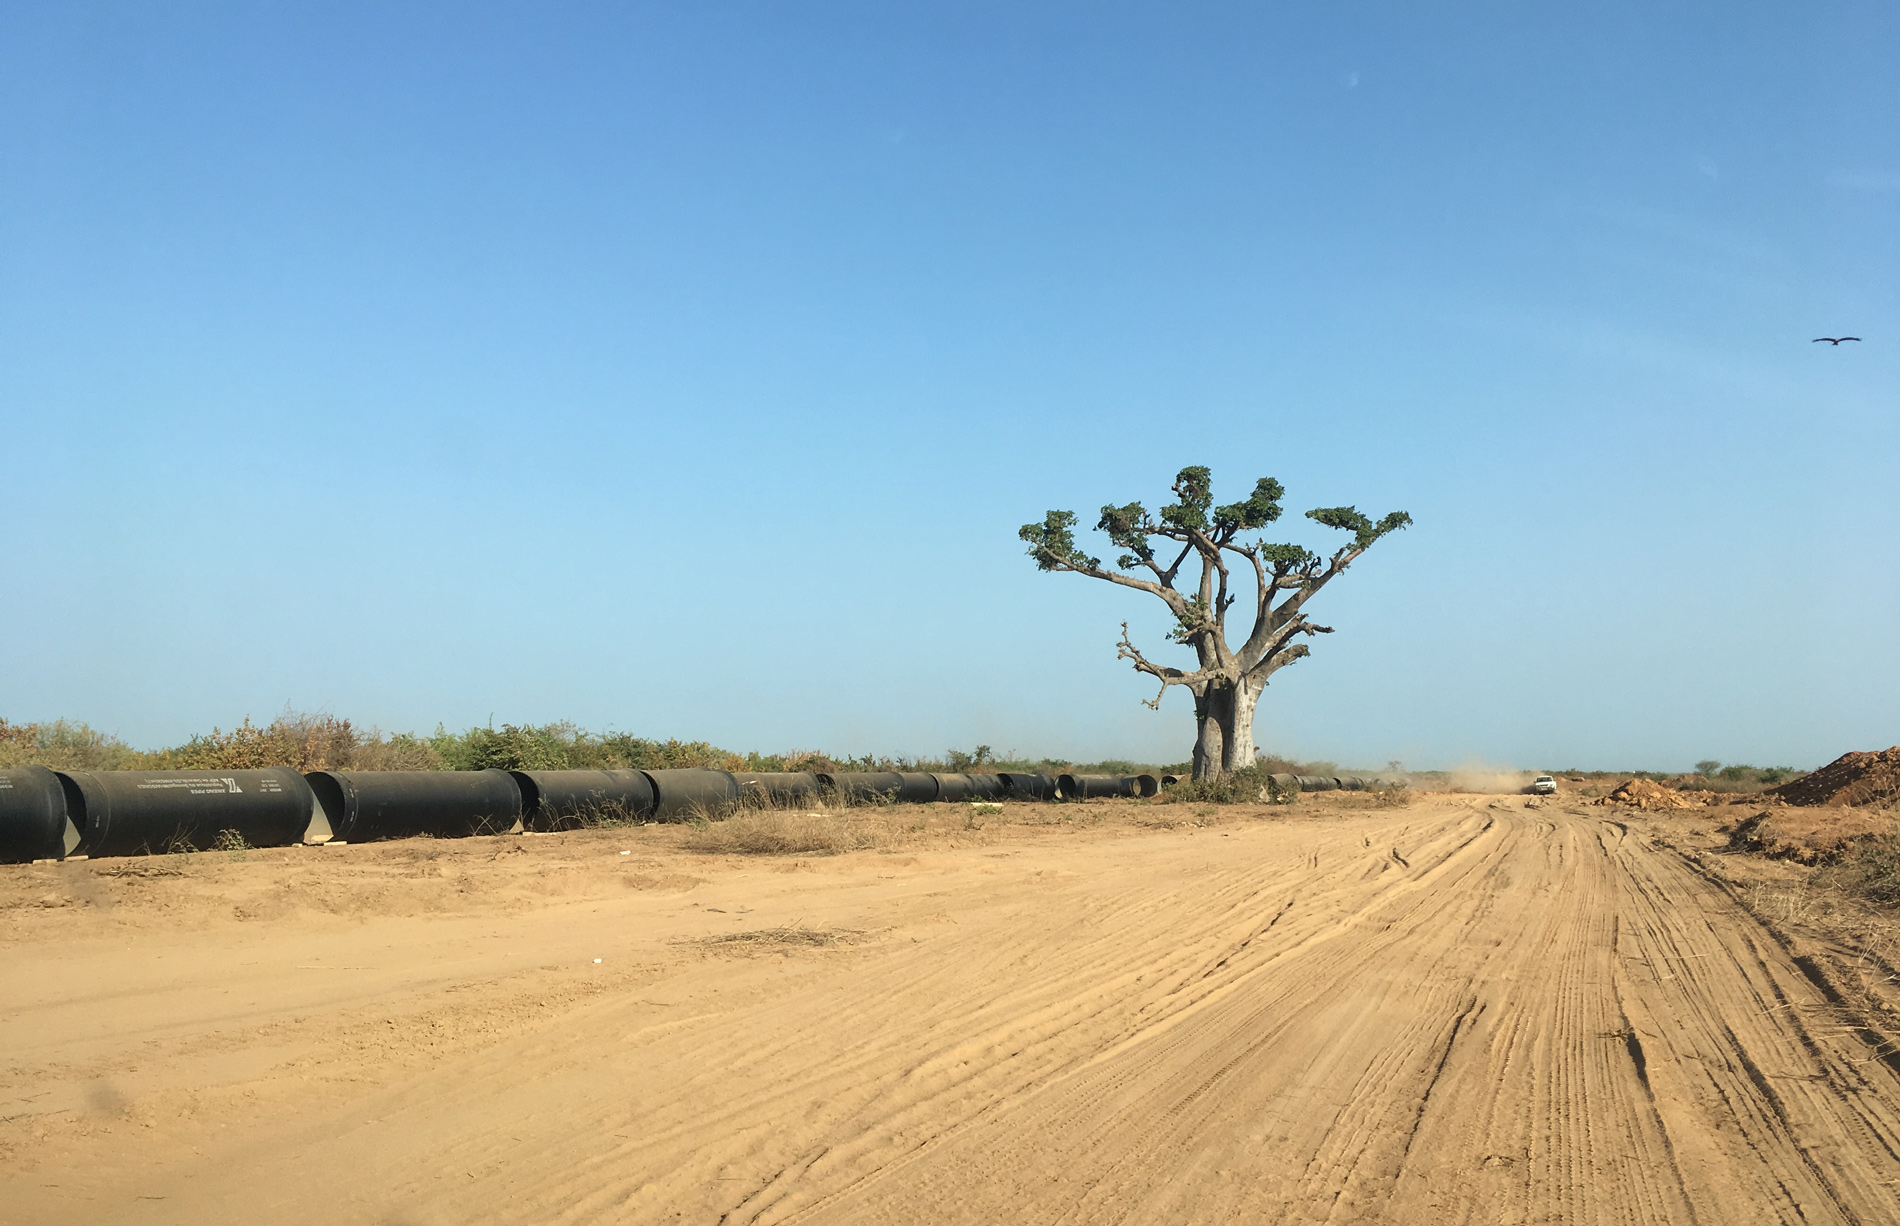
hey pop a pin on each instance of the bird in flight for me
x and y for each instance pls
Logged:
(1832, 340)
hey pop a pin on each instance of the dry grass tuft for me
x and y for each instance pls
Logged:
(603, 816)
(781, 832)
(1869, 868)
(1860, 939)
(831, 828)
(786, 934)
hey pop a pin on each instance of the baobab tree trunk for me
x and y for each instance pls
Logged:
(1240, 740)
(1225, 742)
(1201, 725)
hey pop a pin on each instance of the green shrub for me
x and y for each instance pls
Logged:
(65, 745)
(1241, 787)
(563, 746)
(322, 742)
(302, 742)
(1735, 777)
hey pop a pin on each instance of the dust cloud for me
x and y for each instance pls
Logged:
(1483, 778)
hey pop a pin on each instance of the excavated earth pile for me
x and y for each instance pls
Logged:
(1864, 779)
(1648, 796)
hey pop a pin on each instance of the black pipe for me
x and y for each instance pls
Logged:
(1027, 787)
(777, 787)
(954, 787)
(364, 805)
(34, 824)
(987, 787)
(692, 792)
(863, 785)
(561, 800)
(1093, 787)
(917, 788)
(1146, 785)
(126, 812)
(1318, 783)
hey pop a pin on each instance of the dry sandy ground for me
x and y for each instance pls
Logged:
(1465, 1010)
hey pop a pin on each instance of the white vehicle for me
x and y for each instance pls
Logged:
(1543, 785)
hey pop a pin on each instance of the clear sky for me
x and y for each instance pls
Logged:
(687, 369)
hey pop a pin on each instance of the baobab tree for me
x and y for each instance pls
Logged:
(1227, 685)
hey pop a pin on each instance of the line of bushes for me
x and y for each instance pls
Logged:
(1708, 776)
(323, 742)
(302, 741)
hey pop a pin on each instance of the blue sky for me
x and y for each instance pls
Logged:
(687, 370)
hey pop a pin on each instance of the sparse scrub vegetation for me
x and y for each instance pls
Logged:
(64, 745)
(838, 824)
(1869, 869)
(781, 832)
(565, 746)
(1242, 786)
(323, 742)
(304, 742)
(1248, 785)
(1735, 777)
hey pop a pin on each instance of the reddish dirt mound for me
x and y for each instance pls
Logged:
(1851, 779)
(1642, 794)
(1805, 836)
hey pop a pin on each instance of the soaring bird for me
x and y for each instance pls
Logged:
(1832, 340)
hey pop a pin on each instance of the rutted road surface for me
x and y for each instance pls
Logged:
(1448, 1013)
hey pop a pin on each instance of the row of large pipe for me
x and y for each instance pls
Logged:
(1288, 784)
(49, 815)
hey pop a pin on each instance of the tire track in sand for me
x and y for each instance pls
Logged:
(1469, 1044)
(1444, 1014)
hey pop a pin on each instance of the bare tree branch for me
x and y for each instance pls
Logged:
(1263, 589)
(1282, 651)
(1126, 650)
(1291, 606)
(1172, 598)
(1176, 568)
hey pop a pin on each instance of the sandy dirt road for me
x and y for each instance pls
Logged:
(1460, 1011)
